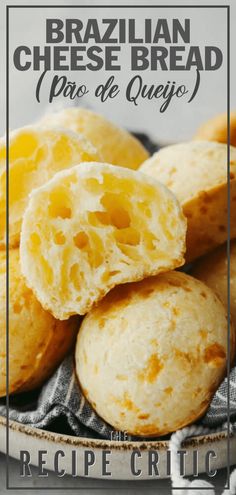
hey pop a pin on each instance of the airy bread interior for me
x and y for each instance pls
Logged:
(93, 227)
(35, 155)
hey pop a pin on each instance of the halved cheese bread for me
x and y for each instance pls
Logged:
(196, 172)
(116, 145)
(35, 155)
(93, 227)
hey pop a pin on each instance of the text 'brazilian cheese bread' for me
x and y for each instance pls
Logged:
(116, 145)
(197, 174)
(35, 155)
(213, 270)
(37, 341)
(96, 226)
(150, 356)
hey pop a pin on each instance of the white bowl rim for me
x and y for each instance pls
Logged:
(103, 444)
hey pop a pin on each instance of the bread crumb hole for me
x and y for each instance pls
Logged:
(81, 240)
(59, 238)
(128, 236)
(47, 270)
(103, 217)
(144, 207)
(62, 150)
(129, 251)
(150, 240)
(95, 254)
(108, 200)
(96, 259)
(107, 275)
(24, 145)
(59, 205)
(59, 211)
(93, 185)
(120, 218)
(74, 276)
(35, 239)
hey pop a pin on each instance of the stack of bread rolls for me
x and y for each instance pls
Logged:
(97, 229)
(37, 340)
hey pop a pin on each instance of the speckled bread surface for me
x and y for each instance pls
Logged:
(216, 129)
(213, 270)
(196, 172)
(96, 226)
(35, 155)
(150, 356)
(116, 145)
(37, 341)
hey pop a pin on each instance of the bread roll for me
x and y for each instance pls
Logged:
(35, 155)
(213, 268)
(150, 356)
(216, 129)
(93, 227)
(116, 145)
(196, 172)
(37, 342)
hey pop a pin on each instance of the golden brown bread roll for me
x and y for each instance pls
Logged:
(116, 145)
(37, 341)
(96, 226)
(35, 155)
(150, 356)
(216, 129)
(212, 269)
(196, 172)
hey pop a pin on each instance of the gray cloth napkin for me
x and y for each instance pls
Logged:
(60, 406)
